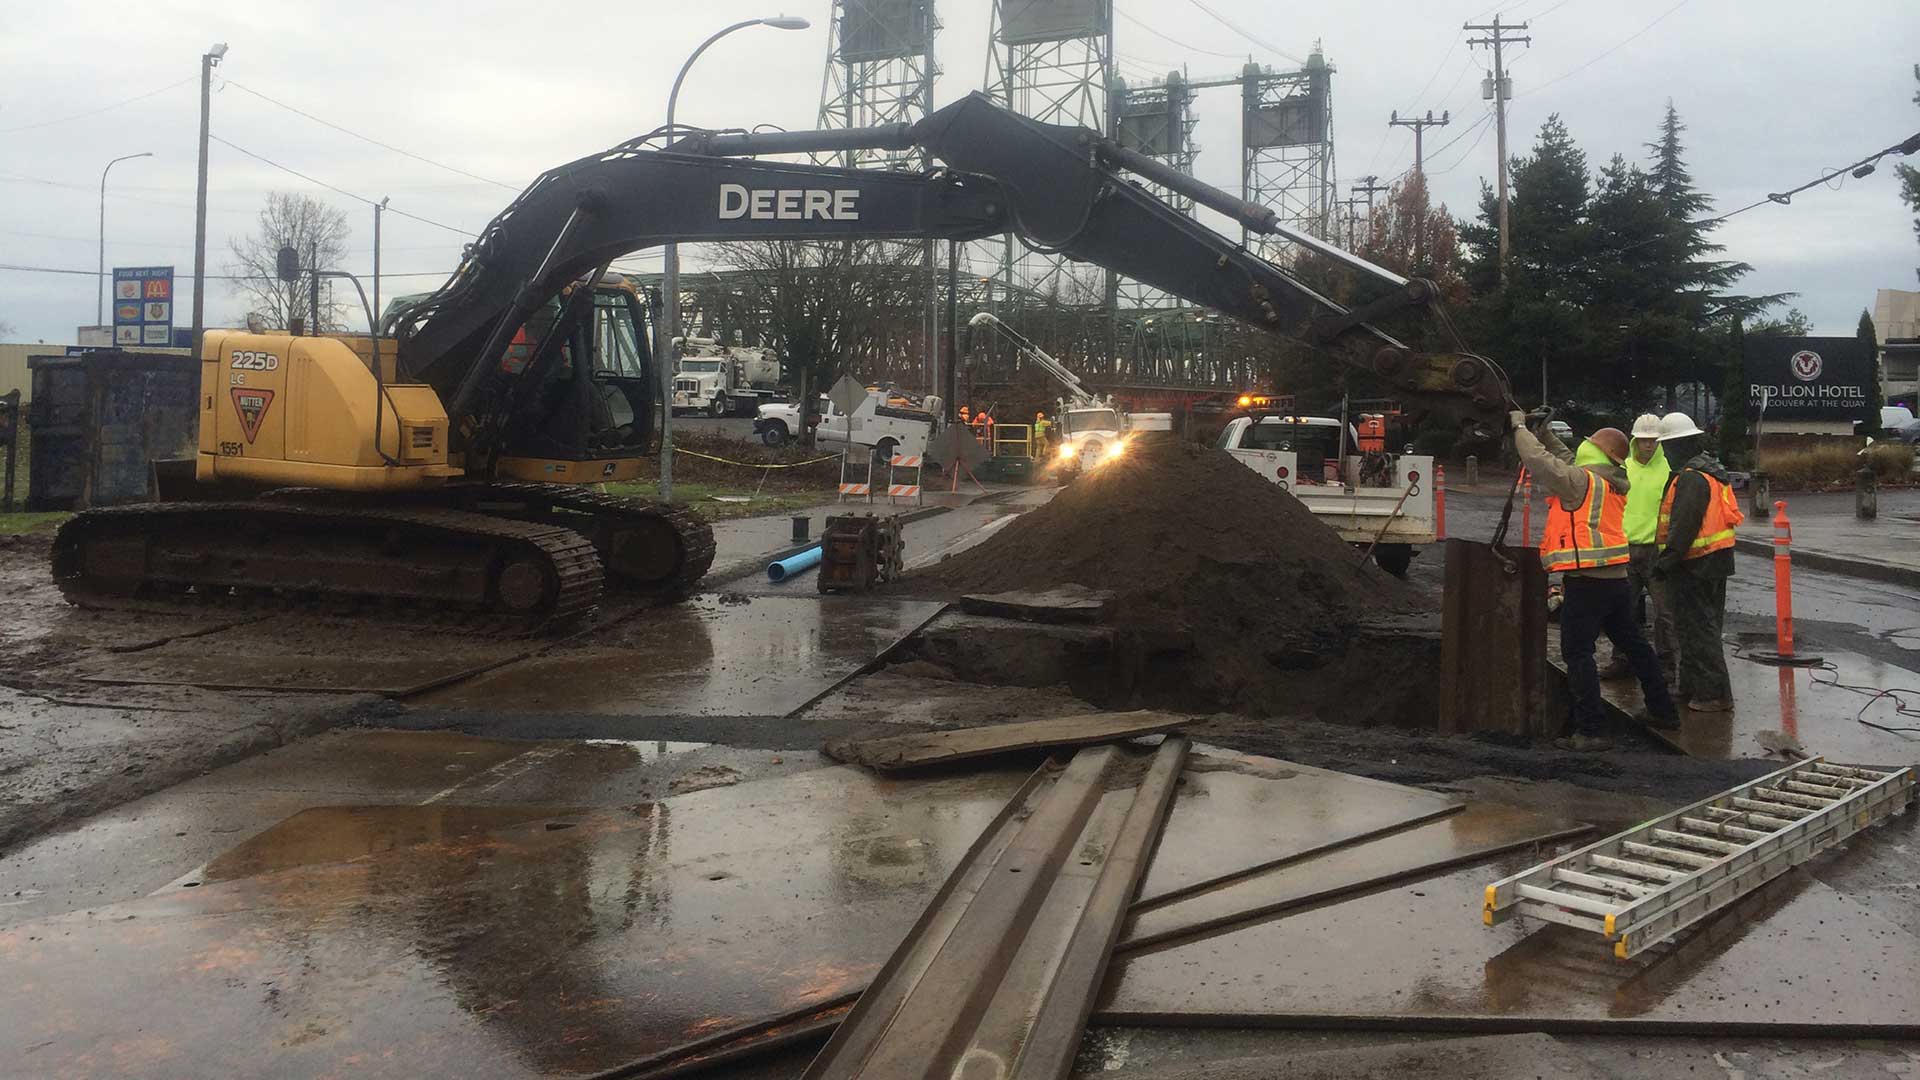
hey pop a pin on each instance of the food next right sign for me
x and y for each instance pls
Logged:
(1807, 378)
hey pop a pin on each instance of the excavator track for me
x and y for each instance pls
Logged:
(477, 570)
(653, 548)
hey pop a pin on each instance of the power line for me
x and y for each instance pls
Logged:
(1175, 42)
(1223, 21)
(1859, 169)
(368, 138)
(1477, 125)
(89, 239)
(337, 190)
(16, 178)
(1483, 126)
(1609, 52)
(1437, 68)
(98, 111)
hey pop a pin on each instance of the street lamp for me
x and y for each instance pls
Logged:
(208, 61)
(669, 325)
(100, 285)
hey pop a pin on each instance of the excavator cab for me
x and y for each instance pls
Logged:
(586, 413)
(594, 400)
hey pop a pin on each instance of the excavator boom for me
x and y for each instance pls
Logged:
(1058, 188)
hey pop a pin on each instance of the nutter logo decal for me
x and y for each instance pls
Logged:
(252, 405)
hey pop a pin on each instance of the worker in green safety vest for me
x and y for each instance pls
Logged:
(1647, 471)
(1041, 426)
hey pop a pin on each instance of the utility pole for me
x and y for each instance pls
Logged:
(1353, 218)
(1498, 89)
(1419, 124)
(1367, 186)
(207, 61)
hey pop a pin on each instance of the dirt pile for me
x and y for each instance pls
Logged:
(1205, 559)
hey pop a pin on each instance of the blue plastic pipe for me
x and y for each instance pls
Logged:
(793, 564)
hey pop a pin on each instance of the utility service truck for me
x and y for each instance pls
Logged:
(1090, 429)
(884, 429)
(1371, 497)
(724, 380)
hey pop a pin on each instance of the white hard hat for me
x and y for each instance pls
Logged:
(1678, 425)
(1647, 427)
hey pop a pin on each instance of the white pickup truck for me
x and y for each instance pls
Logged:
(886, 429)
(1389, 503)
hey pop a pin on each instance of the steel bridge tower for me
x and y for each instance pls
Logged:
(881, 70)
(1287, 149)
(1051, 60)
(1156, 120)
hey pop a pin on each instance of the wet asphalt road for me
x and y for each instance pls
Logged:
(169, 837)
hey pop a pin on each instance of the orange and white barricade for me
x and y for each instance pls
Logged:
(852, 485)
(898, 490)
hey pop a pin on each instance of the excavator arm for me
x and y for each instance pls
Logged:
(1058, 188)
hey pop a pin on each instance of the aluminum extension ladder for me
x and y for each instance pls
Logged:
(1643, 886)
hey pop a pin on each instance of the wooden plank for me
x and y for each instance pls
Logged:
(927, 748)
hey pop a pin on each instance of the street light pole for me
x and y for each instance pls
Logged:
(668, 326)
(100, 282)
(208, 60)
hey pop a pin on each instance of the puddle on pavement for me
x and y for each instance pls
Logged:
(1233, 813)
(649, 750)
(1805, 955)
(1478, 831)
(486, 942)
(705, 657)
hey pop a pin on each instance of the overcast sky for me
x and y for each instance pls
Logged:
(1773, 94)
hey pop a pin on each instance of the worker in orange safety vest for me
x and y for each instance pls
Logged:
(1698, 516)
(1586, 540)
(983, 426)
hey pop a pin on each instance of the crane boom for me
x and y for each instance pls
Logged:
(1077, 391)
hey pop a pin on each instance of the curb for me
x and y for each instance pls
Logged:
(1906, 576)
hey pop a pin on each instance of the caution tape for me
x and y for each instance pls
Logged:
(756, 464)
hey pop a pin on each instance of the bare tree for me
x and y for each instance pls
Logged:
(317, 231)
(6, 329)
(830, 305)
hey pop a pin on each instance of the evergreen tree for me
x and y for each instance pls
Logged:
(1793, 324)
(1735, 441)
(1691, 283)
(1875, 399)
(1623, 291)
(1534, 325)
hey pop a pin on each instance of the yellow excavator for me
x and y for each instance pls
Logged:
(447, 462)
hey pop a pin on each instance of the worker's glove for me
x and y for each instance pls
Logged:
(1516, 420)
